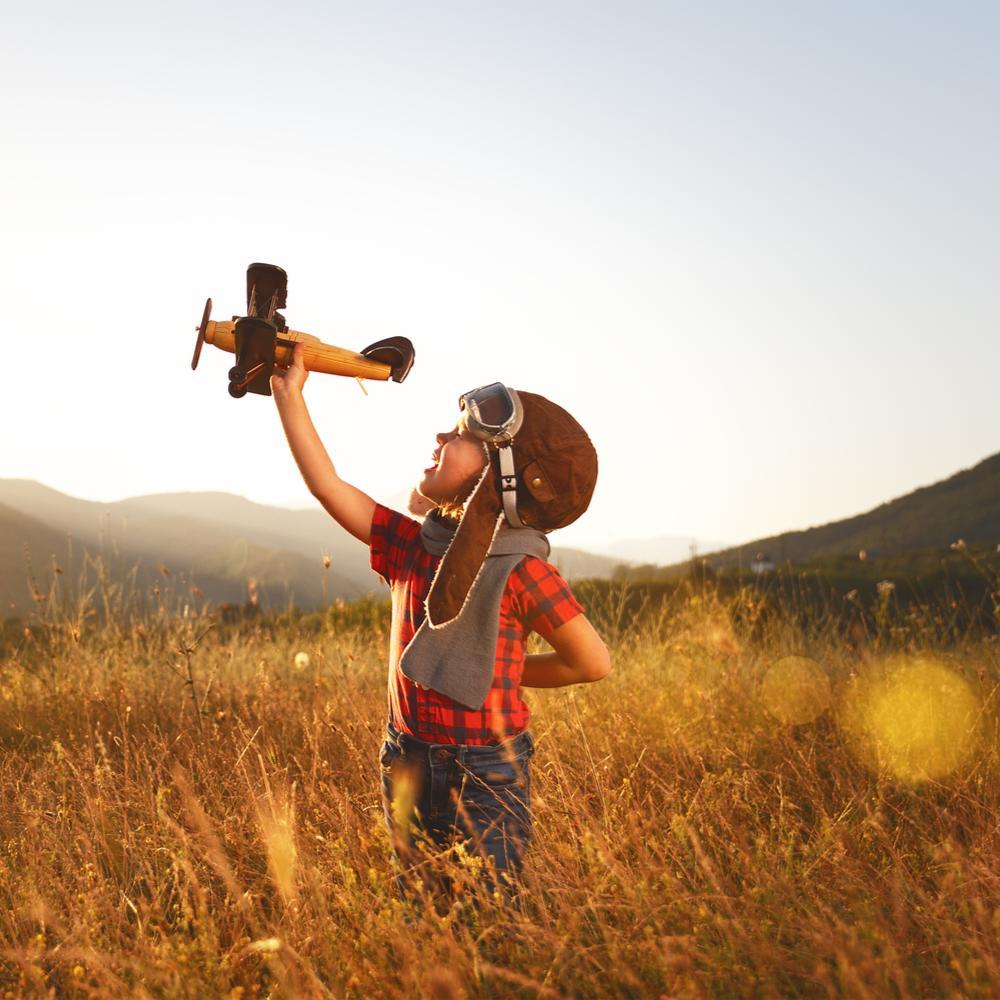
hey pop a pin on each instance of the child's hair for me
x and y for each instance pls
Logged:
(450, 512)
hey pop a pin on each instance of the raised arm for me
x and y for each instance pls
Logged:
(351, 508)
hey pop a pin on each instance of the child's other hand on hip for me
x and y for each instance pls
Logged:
(286, 382)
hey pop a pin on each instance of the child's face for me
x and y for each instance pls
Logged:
(458, 463)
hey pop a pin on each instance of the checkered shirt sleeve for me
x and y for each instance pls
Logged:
(543, 598)
(391, 532)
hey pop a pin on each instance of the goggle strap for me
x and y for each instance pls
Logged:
(508, 487)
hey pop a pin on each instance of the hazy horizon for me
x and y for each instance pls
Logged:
(752, 250)
(562, 537)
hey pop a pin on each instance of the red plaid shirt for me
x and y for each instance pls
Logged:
(536, 598)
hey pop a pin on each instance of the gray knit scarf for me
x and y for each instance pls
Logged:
(458, 658)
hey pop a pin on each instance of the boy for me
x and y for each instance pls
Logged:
(467, 587)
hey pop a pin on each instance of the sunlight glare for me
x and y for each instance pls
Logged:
(918, 719)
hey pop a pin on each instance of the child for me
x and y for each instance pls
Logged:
(468, 586)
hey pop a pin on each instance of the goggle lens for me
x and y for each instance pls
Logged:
(492, 410)
(494, 406)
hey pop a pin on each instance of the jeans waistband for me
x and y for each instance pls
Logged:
(441, 752)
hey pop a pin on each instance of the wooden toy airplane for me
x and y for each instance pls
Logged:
(261, 341)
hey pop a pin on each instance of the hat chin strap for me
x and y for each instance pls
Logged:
(508, 486)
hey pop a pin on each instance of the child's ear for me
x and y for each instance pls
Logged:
(464, 557)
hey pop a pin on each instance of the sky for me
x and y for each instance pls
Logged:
(751, 247)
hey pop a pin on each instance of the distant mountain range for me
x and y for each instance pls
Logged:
(964, 506)
(214, 541)
(217, 542)
(660, 551)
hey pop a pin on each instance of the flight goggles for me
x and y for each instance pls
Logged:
(495, 415)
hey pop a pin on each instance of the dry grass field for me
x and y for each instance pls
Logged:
(194, 812)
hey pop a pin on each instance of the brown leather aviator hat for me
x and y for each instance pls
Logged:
(541, 475)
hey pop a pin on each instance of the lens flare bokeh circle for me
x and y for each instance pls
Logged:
(795, 690)
(914, 717)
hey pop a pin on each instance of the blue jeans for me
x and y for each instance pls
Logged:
(437, 795)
